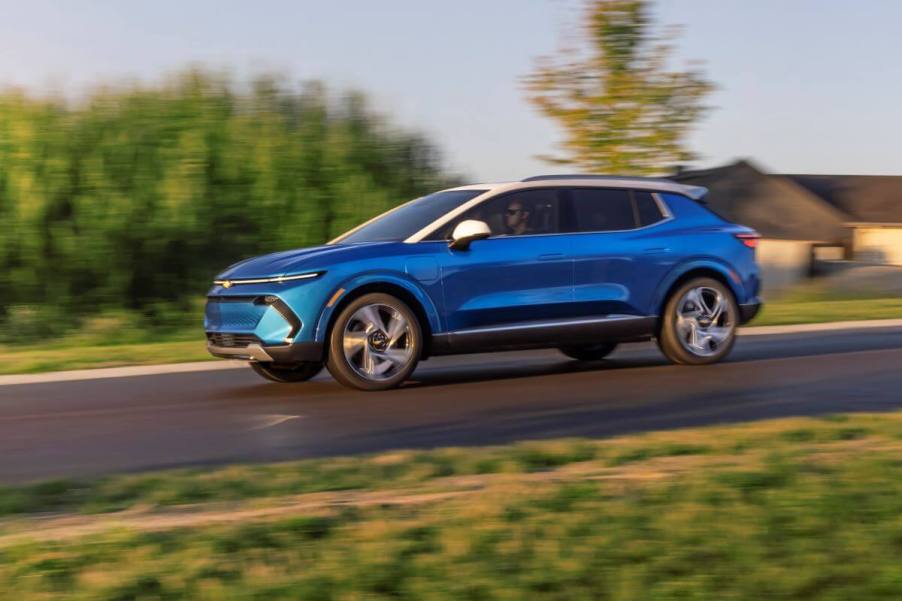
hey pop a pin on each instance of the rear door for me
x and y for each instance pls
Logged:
(622, 252)
(522, 273)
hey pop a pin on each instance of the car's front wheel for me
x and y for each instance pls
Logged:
(375, 343)
(287, 373)
(699, 323)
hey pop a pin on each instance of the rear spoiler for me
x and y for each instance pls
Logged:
(696, 193)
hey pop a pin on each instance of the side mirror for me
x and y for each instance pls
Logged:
(467, 231)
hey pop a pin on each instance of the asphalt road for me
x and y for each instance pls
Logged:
(90, 427)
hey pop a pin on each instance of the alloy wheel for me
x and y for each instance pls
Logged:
(377, 342)
(704, 321)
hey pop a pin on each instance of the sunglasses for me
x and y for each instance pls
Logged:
(514, 211)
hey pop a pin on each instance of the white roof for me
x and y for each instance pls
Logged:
(550, 181)
(638, 183)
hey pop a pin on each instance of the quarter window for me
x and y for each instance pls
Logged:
(647, 209)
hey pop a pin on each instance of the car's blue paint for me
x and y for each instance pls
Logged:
(506, 279)
(498, 280)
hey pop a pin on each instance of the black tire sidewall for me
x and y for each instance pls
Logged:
(285, 374)
(338, 365)
(669, 341)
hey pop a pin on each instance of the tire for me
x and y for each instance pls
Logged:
(375, 343)
(699, 323)
(287, 373)
(589, 352)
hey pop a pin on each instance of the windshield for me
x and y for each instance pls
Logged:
(410, 218)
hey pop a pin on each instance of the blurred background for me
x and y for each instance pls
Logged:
(146, 146)
(143, 148)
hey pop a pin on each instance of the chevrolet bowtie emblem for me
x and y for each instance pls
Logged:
(227, 284)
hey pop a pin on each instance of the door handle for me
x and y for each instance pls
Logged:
(656, 250)
(551, 256)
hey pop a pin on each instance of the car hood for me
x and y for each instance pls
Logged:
(298, 261)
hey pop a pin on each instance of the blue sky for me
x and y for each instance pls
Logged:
(804, 85)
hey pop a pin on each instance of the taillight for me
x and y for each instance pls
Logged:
(749, 239)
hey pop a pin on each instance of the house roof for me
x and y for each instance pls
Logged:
(798, 205)
(865, 198)
(776, 206)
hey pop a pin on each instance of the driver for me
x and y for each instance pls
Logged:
(516, 219)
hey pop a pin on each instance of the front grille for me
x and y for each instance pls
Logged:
(243, 313)
(233, 314)
(232, 340)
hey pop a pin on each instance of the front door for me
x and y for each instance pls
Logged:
(521, 274)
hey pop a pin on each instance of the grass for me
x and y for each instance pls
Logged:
(43, 359)
(109, 340)
(813, 303)
(786, 509)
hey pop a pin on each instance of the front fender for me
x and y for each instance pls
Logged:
(707, 264)
(391, 278)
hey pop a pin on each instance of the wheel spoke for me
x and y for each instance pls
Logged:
(693, 335)
(353, 342)
(368, 365)
(703, 303)
(371, 318)
(380, 367)
(717, 309)
(397, 327)
(698, 306)
(684, 325)
(719, 334)
(397, 357)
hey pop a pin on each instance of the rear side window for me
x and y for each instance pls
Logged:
(601, 210)
(647, 210)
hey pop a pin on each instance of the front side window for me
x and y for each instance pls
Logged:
(410, 218)
(520, 213)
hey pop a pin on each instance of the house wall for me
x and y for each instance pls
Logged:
(882, 245)
(783, 263)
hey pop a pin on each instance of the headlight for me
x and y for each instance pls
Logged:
(228, 283)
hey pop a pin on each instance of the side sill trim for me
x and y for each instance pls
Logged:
(540, 325)
(545, 334)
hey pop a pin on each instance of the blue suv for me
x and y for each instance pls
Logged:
(580, 263)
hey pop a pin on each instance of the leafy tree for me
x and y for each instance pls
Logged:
(621, 109)
(135, 197)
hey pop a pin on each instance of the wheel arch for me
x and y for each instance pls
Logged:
(415, 298)
(708, 269)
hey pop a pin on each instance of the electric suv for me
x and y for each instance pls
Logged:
(578, 263)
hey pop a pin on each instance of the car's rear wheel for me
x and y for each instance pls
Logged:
(287, 373)
(699, 323)
(375, 343)
(589, 352)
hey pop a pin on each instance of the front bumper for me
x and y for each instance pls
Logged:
(257, 327)
(282, 353)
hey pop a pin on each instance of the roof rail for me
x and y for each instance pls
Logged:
(536, 178)
(645, 183)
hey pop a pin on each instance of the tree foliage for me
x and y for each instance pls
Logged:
(136, 197)
(621, 109)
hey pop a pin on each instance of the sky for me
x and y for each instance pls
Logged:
(804, 86)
